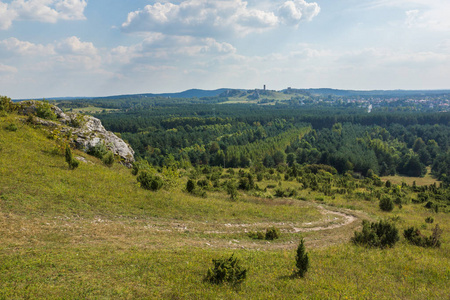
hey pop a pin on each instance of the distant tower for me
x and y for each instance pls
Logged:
(264, 87)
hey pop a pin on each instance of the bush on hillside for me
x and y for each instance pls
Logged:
(190, 185)
(44, 111)
(272, 233)
(11, 127)
(108, 159)
(98, 150)
(381, 235)
(149, 181)
(429, 220)
(386, 203)
(72, 162)
(415, 237)
(6, 104)
(226, 270)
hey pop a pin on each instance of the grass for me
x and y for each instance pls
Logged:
(92, 110)
(93, 233)
(426, 180)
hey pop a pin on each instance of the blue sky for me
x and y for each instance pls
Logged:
(51, 48)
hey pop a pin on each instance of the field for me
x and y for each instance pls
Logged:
(425, 180)
(94, 233)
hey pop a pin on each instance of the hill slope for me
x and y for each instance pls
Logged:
(93, 233)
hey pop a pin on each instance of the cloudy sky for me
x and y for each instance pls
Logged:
(52, 48)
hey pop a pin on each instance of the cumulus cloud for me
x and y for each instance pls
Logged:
(49, 11)
(292, 12)
(159, 49)
(15, 46)
(204, 18)
(74, 46)
(70, 53)
(6, 16)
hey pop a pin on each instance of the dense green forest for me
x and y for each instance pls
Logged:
(244, 135)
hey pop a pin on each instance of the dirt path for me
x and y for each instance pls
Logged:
(348, 219)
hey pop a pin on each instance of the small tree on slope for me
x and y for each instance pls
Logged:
(301, 260)
(72, 162)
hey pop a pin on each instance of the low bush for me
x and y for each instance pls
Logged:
(11, 127)
(257, 235)
(149, 181)
(272, 234)
(190, 185)
(72, 162)
(98, 150)
(386, 203)
(429, 220)
(108, 159)
(226, 270)
(44, 111)
(382, 235)
(415, 237)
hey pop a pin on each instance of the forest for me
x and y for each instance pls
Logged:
(403, 142)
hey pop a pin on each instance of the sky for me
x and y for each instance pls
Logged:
(74, 48)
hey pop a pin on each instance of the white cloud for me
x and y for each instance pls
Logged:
(74, 46)
(15, 46)
(7, 69)
(161, 49)
(6, 16)
(49, 11)
(426, 14)
(292, 12)
(70, 53)
(205, 18)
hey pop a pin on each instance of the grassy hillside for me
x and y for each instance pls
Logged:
(94, 233)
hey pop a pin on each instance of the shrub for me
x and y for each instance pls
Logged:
(44, 111)
(382, 235)
(272, 233)
(256, 235)
(429, 220)
(72, 162)
(232, 190)
(140, 165)
(190, 185)
(226, 270)
(415, 237)
(108, 159)
(11, 127)
(386, 203)
(6, 104)
(149, 181)
(301, 260)
(98, 150)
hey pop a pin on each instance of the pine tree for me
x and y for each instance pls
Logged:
(301, 260)
(72, 162)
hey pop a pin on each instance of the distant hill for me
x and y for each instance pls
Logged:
(224, 92)
(192, 93)
(393, 93)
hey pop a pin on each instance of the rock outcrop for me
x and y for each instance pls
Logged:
(86, 131)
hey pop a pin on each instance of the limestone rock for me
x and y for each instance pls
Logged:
(86, 131)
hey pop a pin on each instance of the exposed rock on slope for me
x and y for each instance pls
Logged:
(86, 131)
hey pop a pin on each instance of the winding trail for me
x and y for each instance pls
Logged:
(348, 219)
